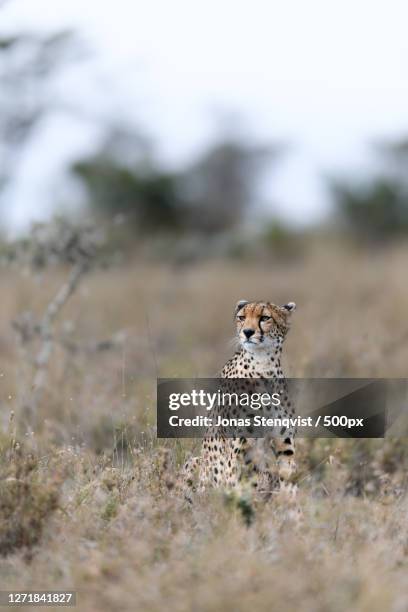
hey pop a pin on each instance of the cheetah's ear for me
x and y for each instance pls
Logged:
(289, 307)
(240, 305)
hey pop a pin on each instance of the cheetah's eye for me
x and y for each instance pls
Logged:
(241, 318)
(265, 318)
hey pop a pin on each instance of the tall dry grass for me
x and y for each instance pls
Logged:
(87, 492)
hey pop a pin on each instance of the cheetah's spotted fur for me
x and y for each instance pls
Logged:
(267, 462)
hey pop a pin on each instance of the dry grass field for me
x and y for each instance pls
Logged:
(87, 500)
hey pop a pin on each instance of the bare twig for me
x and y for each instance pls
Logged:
(61, 243)
(46, 326)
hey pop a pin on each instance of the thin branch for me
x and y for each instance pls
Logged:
(46, 326)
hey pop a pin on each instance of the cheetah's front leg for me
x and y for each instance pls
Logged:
(284, 449)
(189, 476)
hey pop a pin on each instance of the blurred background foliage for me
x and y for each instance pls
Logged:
(211, 196)
(377, 209)
(215, 199)
(27, 64)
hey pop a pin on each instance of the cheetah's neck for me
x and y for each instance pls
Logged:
(261, 363)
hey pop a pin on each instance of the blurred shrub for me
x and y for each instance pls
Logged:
(28, 497)
(148, 200)
(58, 242)
(279, 238)
(368, 466)
(212, 195)
(28, 63)
(220, 187)
(378, 210)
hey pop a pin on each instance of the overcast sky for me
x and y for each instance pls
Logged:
(328, 77)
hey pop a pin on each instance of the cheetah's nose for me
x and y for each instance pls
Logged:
(249, 333)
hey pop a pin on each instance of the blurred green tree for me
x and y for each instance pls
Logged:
(27, 64)
(122, 180)
(377, 209)
(220, 188)
(212, 195)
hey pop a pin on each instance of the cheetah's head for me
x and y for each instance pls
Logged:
(262, 325)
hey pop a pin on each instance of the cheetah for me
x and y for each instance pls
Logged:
(269, 462)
